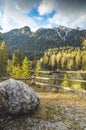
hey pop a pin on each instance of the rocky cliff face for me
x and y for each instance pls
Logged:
(25, 30)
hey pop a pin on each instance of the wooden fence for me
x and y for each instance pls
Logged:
(56, 79)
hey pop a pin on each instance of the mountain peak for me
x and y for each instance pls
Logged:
(25, 30)
(62, 31)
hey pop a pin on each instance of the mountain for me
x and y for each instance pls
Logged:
(33, 44)
(63, 31)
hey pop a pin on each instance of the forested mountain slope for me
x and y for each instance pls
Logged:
(35, 43)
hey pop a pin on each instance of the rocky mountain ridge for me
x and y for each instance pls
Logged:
(44, 38)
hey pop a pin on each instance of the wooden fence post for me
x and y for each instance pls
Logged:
(57, 81)
(33, 77)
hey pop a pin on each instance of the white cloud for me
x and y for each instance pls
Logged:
(17, 21)
(14, 17)
(0, 14)
(80, 22)
(13, 13)
(73, 21)
(58, 20)
(69, 13)
(46, 7)
(47, 26)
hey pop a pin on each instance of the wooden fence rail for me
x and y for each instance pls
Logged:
(34, 78)
(59, 71)
(61, 79)
(56, 79)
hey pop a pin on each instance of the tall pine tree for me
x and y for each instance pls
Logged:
(26, 68)
(3, 59)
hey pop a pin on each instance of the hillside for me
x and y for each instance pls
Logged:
(35, 43)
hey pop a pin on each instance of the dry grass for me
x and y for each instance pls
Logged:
(62, 99)
(52, 104)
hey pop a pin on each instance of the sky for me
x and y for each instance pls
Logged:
(42, 14)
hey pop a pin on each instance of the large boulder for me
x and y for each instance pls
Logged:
(16, 97)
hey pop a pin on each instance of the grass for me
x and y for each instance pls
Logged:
(69, 109)
(54, 104)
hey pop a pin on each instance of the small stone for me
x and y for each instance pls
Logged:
(1, 120)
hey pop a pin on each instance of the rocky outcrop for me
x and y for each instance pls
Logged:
(16, 97)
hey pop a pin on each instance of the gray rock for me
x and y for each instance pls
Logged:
(16, 97)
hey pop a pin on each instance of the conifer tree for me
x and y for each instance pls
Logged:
(53, 61)
(78, 61)
(9, 67)
(16, 71)
(38, 68)
(84, 62)
(14, 60)
(26, 68)
(84, 43)
(17, 58)
(3, 58)
(46, 61)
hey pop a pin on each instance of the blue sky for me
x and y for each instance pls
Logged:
(42, 14)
